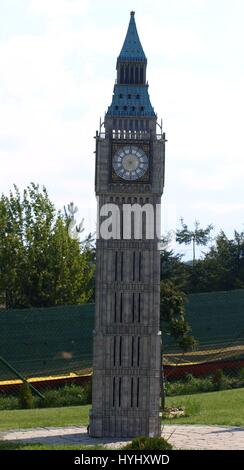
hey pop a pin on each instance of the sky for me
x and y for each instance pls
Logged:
(57, 72)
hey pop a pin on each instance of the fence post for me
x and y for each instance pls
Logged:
(21, 377)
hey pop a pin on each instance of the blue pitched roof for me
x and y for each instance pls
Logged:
(132, 48)
(131, 100)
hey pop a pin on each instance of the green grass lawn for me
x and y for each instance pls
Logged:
(44, 417)
(223, 408)
(4, 445)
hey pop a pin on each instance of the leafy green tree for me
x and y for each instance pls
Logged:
(172, 267)
(72, 267)
(40, 264)
(172, 315)
(12, 251)
(223, 267)
(197, 236)
(174, 270)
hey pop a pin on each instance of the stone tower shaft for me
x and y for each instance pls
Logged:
(127, 339)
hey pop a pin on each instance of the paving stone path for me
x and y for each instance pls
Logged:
(181, 437)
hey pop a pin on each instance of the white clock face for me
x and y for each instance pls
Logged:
(130, 162)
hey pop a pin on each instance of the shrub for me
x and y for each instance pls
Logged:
(219, 380)
(188, 385)
(148, 443)
(69, 395)
(9, 402)
(241, 374)
(26, 400)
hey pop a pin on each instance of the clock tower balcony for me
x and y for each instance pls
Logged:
(129, 135)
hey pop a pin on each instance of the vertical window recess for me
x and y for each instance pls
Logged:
(137, 392)
(139, 308)
(113, 392)
(132, 351)
(131, 392)
(119, 391)
(120, 350)
(139, 267)
(121, 307)
(121, 224)
(122, 266)
(115, 307)
(138, 350)
(114, 351)
(133, 308)
(116, 266)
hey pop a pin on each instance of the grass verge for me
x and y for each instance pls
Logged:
(45, 417)
(4, 445)
(215, 408)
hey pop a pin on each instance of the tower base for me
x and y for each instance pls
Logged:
(124, 426)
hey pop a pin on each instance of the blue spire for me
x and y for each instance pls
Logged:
(131, 96)
(132, 48)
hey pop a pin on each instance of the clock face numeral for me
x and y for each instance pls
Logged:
(130, 162)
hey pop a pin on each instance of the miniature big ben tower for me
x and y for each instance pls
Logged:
(127, 339)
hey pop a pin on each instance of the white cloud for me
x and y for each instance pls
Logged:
(58, 8)
(220, 208)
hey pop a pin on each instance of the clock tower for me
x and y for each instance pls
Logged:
(129, 182)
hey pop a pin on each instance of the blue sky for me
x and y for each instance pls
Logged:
(57, 70)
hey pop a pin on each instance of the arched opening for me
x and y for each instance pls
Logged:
(141, 75)
(122, 73)
(137, 75)
(127, 74)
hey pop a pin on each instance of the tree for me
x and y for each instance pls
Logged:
(12, 258)
(171, 266)
(198, 236)
(40, 265)
(223, 266)
(172, 269)
(172, 315)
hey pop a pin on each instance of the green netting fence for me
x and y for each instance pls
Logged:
(46, 341)
(52, 346)
(217, 322)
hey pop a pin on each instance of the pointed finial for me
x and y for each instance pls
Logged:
(132, 48)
